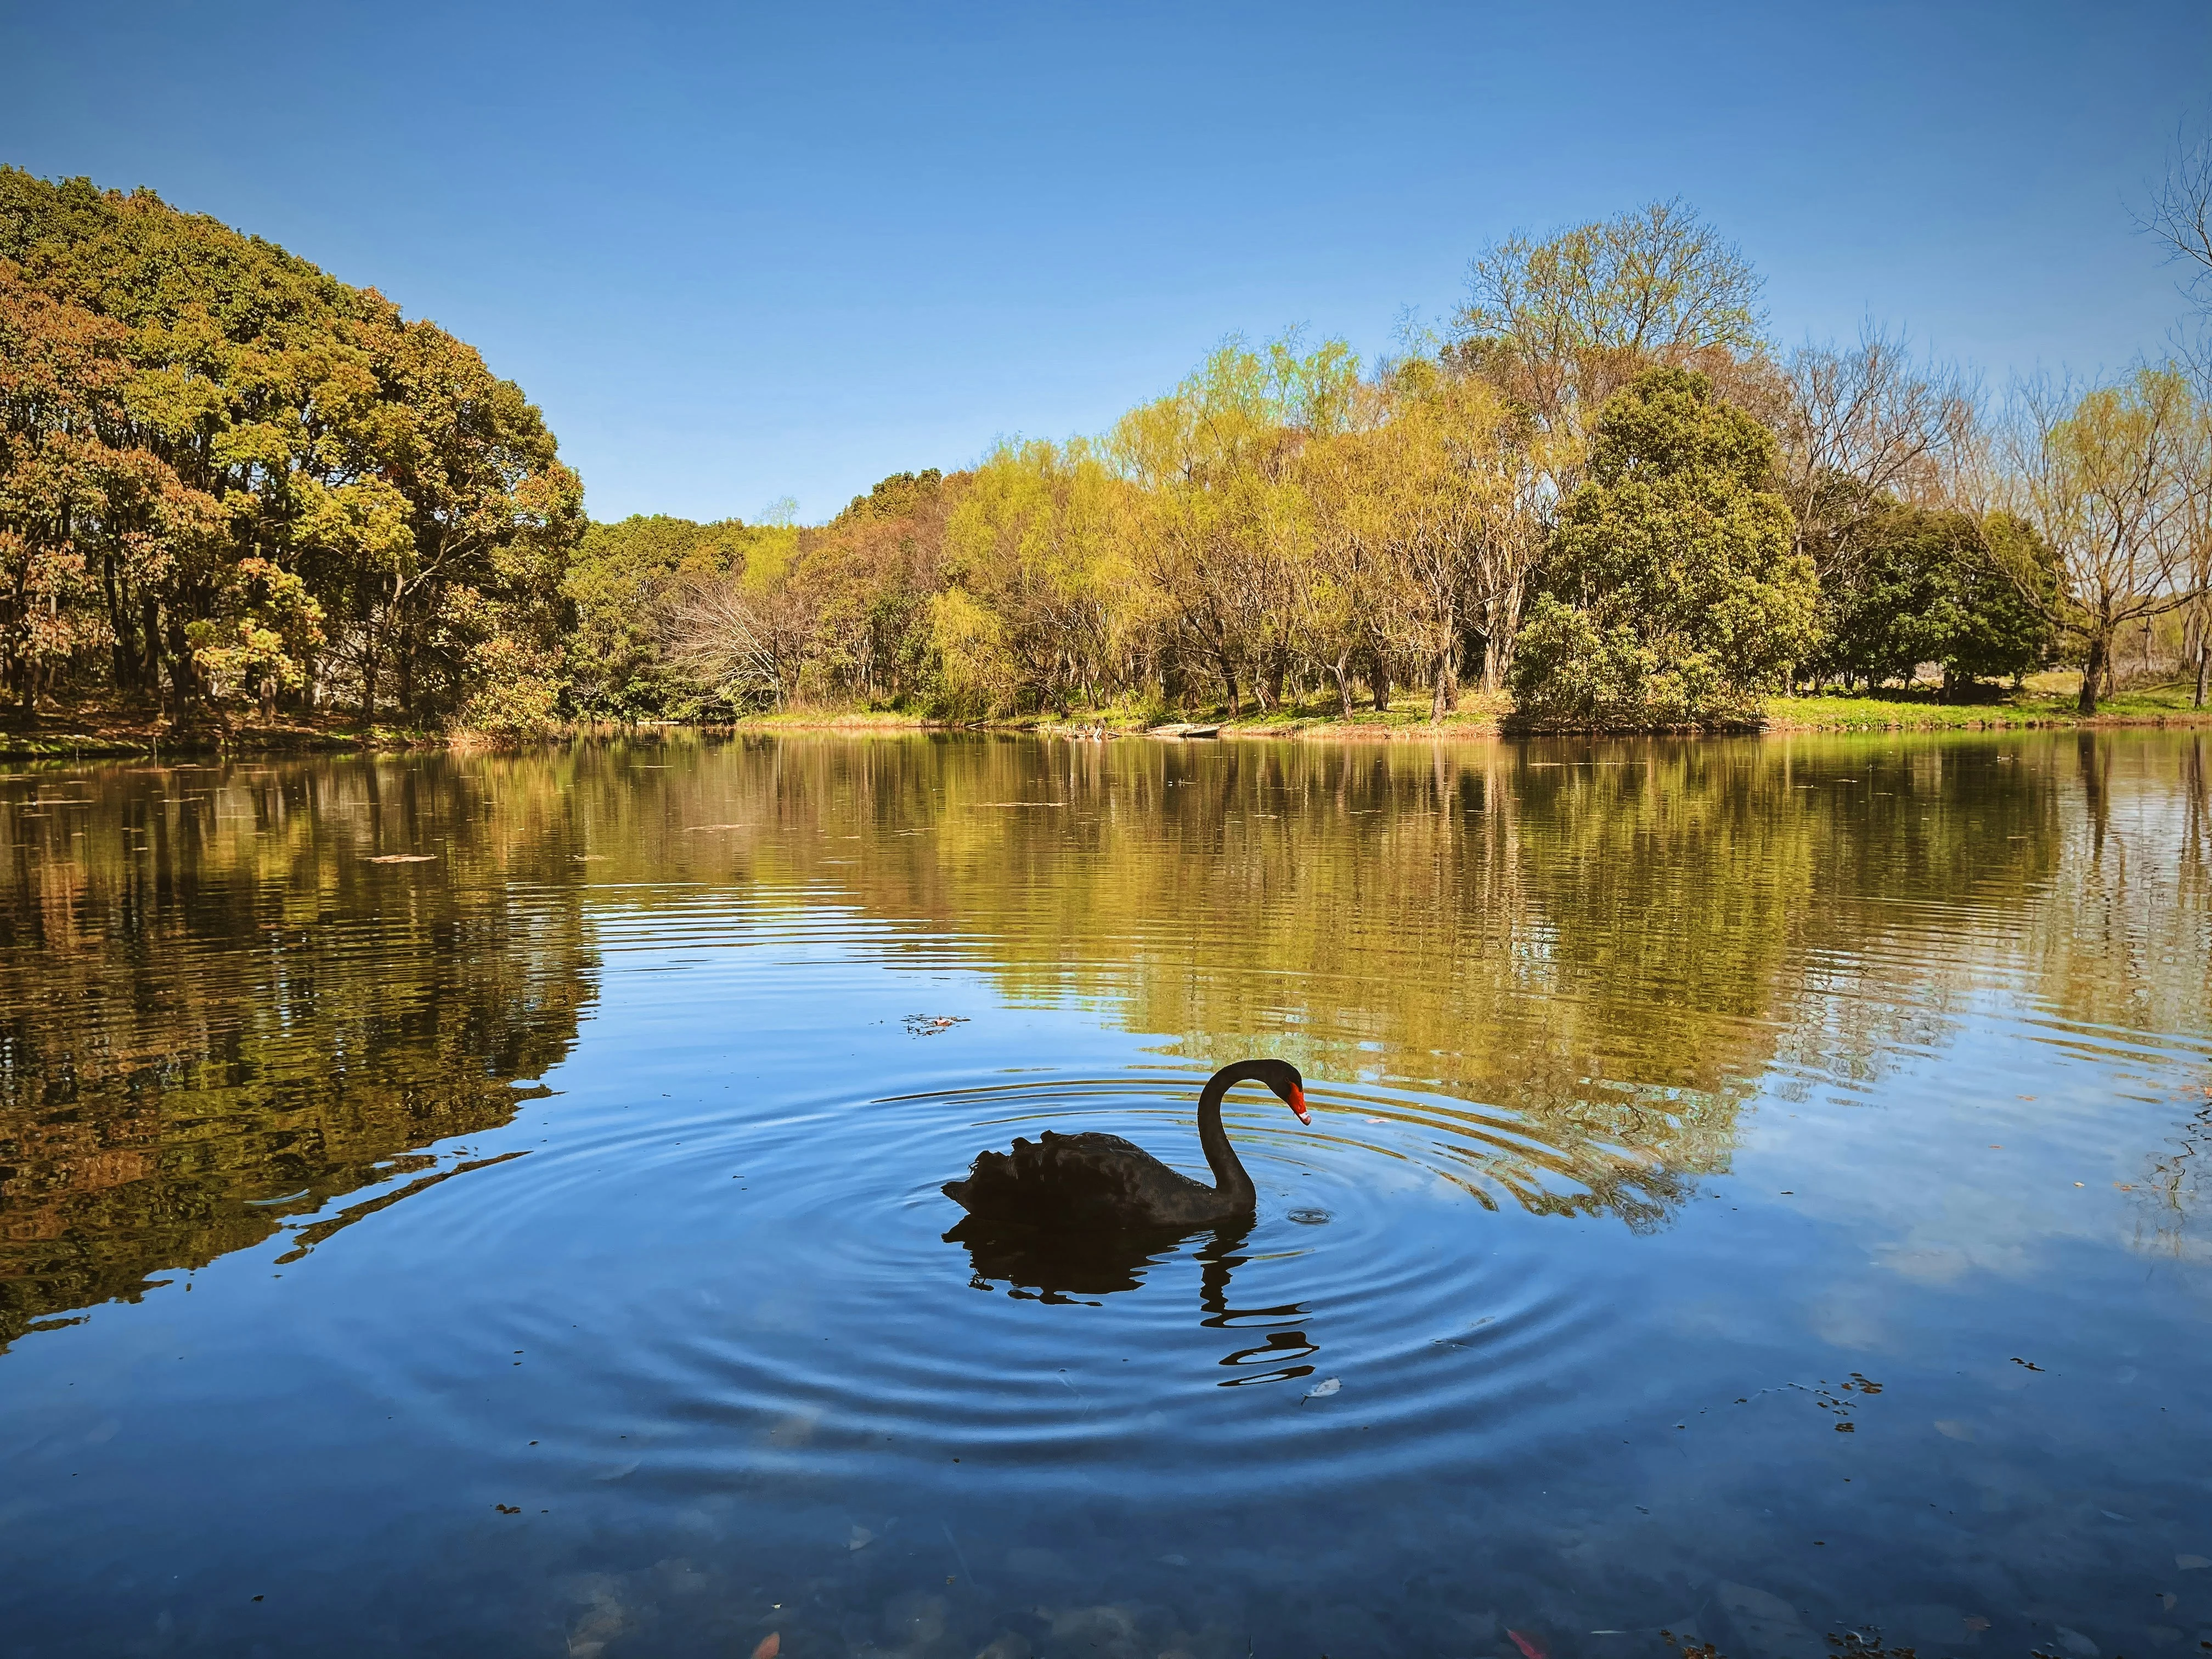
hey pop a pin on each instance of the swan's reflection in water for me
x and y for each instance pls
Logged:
(1082, 1267)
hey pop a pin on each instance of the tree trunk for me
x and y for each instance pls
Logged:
(1344, 683)
(2203, 657)
(368, 689)
(1443, 696)
(1378, 682)
(150, 674)
(118, 625)
(2093, 670)
(182, 680)
(1228, 679)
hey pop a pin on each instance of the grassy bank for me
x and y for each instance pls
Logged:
(2047, 701)
(89, 732)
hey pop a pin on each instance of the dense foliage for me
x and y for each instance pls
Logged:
(1677, 598)
(230, 482)
(226, 478)
(1916, 585)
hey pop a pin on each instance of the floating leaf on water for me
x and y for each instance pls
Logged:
(404, 858)
(861, 1540)
(1326, 1387)
(1952, 1429)
(1529, 1646)
(2190, 1563)
(1311, 1217)
(769, 1646)
(930, 1025)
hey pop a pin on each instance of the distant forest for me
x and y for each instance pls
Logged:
(233, 487)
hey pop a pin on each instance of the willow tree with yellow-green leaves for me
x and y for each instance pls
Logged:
(1039, 603)
(1224, 532)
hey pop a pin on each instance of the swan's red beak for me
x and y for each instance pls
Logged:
(1298, 1104)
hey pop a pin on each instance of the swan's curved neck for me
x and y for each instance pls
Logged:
(1229, 1178)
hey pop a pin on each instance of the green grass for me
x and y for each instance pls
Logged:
(2048, 701)
(2042, 703)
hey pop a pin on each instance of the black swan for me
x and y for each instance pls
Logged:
(1103, 1181)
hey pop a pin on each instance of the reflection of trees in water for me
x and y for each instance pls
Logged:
(1602, 949)
(2124, 931)
(2179, 931)
(1588, 957)
(2167, 1195)
(212, 1001)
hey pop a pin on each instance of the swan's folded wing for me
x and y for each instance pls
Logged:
(1081, 1176)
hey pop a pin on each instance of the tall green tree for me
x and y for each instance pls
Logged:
(255, 424)
(1926, 586)
(1676, 598)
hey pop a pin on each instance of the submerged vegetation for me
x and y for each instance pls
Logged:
(234, 490)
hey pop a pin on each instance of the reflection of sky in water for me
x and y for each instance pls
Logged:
(705, 1337)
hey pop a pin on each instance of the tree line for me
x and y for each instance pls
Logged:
(1600, 489)
(229, 482)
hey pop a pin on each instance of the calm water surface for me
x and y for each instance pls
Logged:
(1754, 1193)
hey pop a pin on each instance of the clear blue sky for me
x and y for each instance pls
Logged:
(738, 252)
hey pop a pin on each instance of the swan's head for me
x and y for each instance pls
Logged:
(1284, 1079)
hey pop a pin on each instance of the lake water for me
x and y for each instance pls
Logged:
(1754, 1193)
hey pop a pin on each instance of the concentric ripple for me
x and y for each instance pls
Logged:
(874, 1329)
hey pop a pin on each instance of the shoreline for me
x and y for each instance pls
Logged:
(114, 738)
(1488, 726)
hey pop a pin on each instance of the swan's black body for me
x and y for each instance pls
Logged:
(1092, 1182)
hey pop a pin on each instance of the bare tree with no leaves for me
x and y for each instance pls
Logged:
(1868, 422)
(740, 642)
(2180, 215)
